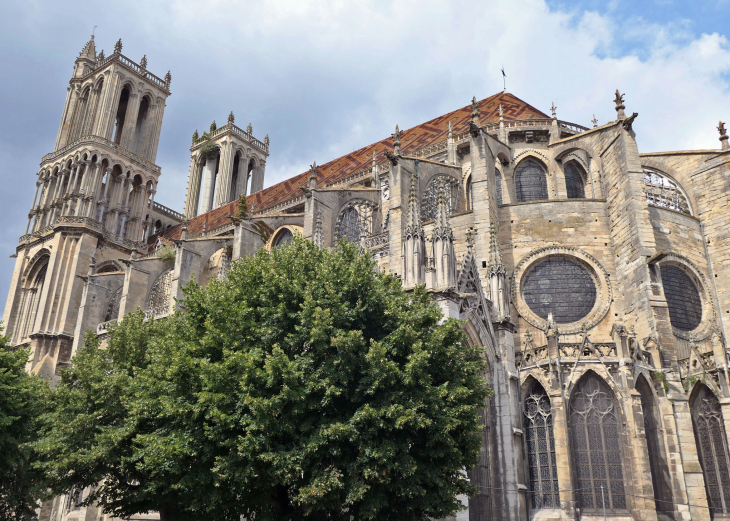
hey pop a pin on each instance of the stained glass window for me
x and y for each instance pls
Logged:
(430, 198)
(159, 302)
(559, 286)
(574, 183)
(350, 225)
(664, 193)
(530, 182)
(284, 237)
(712, 448)
(596, 446)
(683, 298)
(538, 420)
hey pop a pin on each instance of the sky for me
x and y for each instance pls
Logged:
(325, 78)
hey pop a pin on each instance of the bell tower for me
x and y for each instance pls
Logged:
(94, 200)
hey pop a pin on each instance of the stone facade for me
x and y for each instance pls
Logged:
(597, 278)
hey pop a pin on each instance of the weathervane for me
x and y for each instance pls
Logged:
(504, 78)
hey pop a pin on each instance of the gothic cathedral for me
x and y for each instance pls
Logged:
(596, 277)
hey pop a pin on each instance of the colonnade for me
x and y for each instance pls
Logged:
(87, 189)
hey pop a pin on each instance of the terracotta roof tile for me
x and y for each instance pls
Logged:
(412, 140)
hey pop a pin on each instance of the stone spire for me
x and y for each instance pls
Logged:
(318, 235)
(143, 62)
(168, 79)
(118, 47)
(450, 130)
(594, 121)
(723, 136)
(496, 265)
(553, 108)
(249, 129)
(231, 118)
(498, 289)
(89, 50)
(101, 56)
(442, 242)
(413, 239)
(619, 101)
(266, 141)
(502, 134)
(475, 111)
(396, 141)
(441, 227)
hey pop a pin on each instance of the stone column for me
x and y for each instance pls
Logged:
(155, 138)
(208, 184)
(193, 195)
(149, 130)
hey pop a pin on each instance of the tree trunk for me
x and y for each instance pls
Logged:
(167, 514)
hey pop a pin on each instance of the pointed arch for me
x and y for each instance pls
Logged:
(596, 445)
(712, 447)
(33, 280)
(430, 196)
(575, 180)
(660, 477)
(158, 303)
(540, 441)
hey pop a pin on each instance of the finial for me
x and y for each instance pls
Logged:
(313, 169)
(143, 62)
(594, 121)
(266, 141)
(100, 57)
(450, 130)
(118, 47)
(553, 108)
(723, 136)
(213, 127)
(619, 101)
(396, 141)
(168, 79)
(474, 109)
(195, 136)
(231, 117)
(249, 129)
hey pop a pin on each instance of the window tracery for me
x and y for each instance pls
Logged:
(430, 197)
(683, 298)
(159, 302)
(596, 446)
(355, 219)
(664, 193)
(538, 422)
(712, 448)
(574, 181)
(530, 182)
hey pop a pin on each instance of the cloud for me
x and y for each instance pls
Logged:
(322, 79)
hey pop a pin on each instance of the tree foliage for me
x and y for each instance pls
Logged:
(22, 398)
(303, 385)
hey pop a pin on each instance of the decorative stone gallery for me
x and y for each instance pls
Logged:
(596, 277)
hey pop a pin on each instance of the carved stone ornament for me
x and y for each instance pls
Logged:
(604, 292)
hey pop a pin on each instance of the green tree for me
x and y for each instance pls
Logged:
(304, 385)
(22, 398)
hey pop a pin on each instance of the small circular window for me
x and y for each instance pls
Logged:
(559, 286)
(683, 298)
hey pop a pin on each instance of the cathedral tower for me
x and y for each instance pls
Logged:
(94, 200)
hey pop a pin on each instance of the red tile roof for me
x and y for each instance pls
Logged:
(412, 140)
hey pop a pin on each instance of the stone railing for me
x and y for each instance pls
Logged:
(588, 350)
(129, 64)
(167, 212)
(100, 141)
(230, 127)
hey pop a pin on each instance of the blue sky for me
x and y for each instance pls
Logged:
(322, 79)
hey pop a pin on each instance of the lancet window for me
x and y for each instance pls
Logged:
(712, 448)
(430, 197)
(574, 181)
(664, 193)
(30, 298)
(596, 446)
(538, 422)
(530, 182)
(159, 301)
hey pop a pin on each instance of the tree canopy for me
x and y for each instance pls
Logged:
(303, 385)
(22, 398)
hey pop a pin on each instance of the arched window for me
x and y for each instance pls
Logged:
(498, 181)
(538, 422)
(430, 198)
(683, 298)
(141, 127)
(112, 310)
(712, 448)
(30, 298)
(121, 114)
(469, 195)
(349, 225)
(596, 446)
(159, 302)
(530, 182)
(664, 193)
(284, 237)
(574, 181)
(660, 477)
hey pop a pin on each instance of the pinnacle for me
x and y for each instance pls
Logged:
(89, 50)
